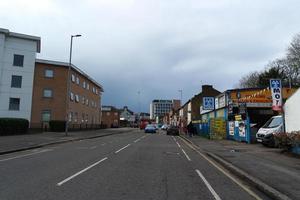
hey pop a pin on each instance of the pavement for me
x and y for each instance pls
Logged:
(128, 166)
(268, 166)
(9, 144)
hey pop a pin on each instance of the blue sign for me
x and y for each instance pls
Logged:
(275, 85)
(208, 103)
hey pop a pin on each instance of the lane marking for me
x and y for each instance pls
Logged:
(212, 191)
(26, 155)
(80, 172)
(187, 157)
(122, 148)
(103, 144)
(135, 141)
(244, 187)
(178, 144)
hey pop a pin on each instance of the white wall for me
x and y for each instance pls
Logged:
(292, 112)
(8, 47)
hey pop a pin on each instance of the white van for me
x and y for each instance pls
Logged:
(273, 125)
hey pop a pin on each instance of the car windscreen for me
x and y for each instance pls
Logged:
(273, 122)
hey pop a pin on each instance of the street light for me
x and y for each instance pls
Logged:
(68, 84)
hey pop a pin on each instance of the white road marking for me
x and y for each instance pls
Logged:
(187, 157)
(213, 192)
(80, 172)
(26, 155)
(103, 144)
(135, 141)
(178, 144)
(122, 148)
(244, 187)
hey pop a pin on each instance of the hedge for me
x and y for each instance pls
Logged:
(57, 125)
(10, 126)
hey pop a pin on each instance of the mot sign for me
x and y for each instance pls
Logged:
(208, 103)
(275, 85)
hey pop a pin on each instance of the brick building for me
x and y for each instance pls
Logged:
(50, 93)
(110, 117)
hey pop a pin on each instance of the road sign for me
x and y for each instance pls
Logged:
(208, 103)
(275, 85)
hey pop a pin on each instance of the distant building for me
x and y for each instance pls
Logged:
(127, 117)
(158, 108)
(17, 62)
(110, 117)
(50, 95)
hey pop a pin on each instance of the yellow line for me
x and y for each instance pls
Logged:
(247, 189)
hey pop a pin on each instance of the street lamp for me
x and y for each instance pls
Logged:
(68, 84)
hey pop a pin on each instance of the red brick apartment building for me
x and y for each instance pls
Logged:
(50, 93)
(110, 117)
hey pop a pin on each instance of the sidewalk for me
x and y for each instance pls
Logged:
(269, 165)
(22, 142)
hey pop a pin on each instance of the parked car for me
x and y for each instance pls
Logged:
(173, 130)
(164, 127)
(150, 128)
(272, 126)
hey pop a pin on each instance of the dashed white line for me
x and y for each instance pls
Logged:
(178, 144)
(187, 157)
(122, 148)
(22, 156)
(135, 141)
(213, 192)
(80, 172)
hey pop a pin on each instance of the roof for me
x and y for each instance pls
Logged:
(109, 108)
(65, 64)
(24, 37)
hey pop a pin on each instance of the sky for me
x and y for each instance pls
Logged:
(158, 47)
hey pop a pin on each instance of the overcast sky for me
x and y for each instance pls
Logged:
(158, 46)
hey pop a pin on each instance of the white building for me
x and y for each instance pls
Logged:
(158, 108)
(17, 63)
(292, 112)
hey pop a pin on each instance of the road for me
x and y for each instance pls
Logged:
(133, 166)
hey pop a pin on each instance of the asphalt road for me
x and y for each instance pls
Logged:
(133, 166)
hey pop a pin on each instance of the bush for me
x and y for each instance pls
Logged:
(57, 125)
(287, 140)
(10, 126)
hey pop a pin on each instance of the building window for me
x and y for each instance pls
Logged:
(70, 116)
(84, 84)
(75, 117)
(93, 90)
(48, 93)
(96, 91)
(87, 86)
(16, 81)
(49, 73)
(18, 60)
(77, 80)
(108, 113)
(46, 115)
(77, 98)
(116, 114)
(14, 103)
(73, 78)
(82, 118)
(87, 102)
(83, 99)
(71, 96)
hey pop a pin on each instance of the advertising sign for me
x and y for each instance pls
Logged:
(275, 85)
(231, 127)
(242, 129)
(208, 103)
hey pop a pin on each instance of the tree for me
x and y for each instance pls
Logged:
(250, 80)
(273, 71)
(293, 61)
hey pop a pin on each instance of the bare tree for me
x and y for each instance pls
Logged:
(293, 61)
(250, 80)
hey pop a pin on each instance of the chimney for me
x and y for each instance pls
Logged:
(206, 87)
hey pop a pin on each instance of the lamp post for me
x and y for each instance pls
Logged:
(180, 96)
(68, 85)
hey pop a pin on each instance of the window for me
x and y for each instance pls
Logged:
(87, 102)
(83, 99)
(18, 60)
(70, 116)
(77, 80)
(116, 114)
(93, 90)
(75, 117)
(108, 113)
(14, 103)
(73, 78)
(71, 96)
(16, 81)
(82, 119)
(46, 115)
(96, 91)
(48, 93)
(84, 84)
(87, 86)
(77, 98)
(49, 73)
